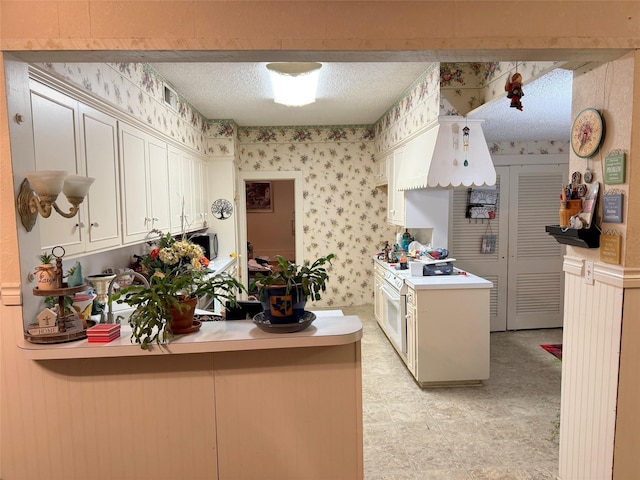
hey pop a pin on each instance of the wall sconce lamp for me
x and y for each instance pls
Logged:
(39, 191)
(294, 83)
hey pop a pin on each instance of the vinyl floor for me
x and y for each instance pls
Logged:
(506, 429)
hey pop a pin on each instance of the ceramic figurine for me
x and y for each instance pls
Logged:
(514, 91)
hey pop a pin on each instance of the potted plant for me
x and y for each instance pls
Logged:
(178, 275)
(46, 273)
(283, 292)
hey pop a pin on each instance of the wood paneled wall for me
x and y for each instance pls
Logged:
(591, 345)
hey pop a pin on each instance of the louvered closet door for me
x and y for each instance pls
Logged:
(465, 244)
(535, 278)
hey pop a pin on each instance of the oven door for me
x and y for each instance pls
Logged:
(395, 317)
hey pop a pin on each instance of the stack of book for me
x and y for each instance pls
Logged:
(103, 333)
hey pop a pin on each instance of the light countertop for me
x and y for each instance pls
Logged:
(448, 282)
(223, 336)
(220, 263)
(460, 281)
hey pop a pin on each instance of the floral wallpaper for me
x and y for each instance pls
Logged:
(222, 136)
(466, 86)
(344, 213)
(455, 89)
(139, 90)
(419, 106)
(529, 148)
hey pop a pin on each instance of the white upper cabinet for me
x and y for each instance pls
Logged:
(395, 197)
(201, 203)
(158, 182)
(142, 183)
(145, 187)
(100, 148)
(382, 173)
(71, 136)
(187, 186)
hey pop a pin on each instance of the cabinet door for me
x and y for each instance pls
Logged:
(136, 218)
(382, 176)
(200, 210)
(188, 190)
(99, 140)
(158, 173)
(378, 298)
(57, 147)
(175, 189)
(412, 326)
(395, 196)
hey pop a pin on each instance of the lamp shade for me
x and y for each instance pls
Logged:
(47, 182)
(77, 186)
(294, 83)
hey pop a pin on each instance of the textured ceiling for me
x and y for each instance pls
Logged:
(546, 113)
(357, 93)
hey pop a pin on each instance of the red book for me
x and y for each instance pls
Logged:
(103, 338)
(103, 330)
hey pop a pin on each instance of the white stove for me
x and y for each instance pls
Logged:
(396, 279)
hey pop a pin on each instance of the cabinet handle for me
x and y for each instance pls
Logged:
(80, 225)
(146, 220)
(95, 225)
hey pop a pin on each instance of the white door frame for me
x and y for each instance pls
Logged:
(264, 175)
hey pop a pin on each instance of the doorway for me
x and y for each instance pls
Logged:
(526, 264)
(269, 218)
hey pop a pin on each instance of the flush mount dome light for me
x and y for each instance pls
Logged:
(294, 83)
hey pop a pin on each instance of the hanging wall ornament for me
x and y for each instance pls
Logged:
(513, 87)
(465, 144)
(221, 209)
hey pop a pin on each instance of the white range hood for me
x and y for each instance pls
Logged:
(436, 157)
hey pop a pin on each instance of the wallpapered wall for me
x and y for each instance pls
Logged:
(344, 212)
(138, 90)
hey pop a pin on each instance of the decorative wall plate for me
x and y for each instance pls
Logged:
(222, 209)
(587, 133)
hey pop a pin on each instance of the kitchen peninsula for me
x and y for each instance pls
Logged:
(439, 325)
(229, 401)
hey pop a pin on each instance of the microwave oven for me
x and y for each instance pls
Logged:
(208, 242)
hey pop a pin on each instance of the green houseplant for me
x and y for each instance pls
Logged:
(178, 275)
(284, 291)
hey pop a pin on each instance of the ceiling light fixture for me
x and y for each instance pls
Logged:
(294, 83)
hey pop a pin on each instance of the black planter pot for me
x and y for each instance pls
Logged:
(281, 306)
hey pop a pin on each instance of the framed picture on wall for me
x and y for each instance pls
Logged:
(259, 197)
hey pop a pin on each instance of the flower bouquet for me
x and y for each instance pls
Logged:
(178, 274)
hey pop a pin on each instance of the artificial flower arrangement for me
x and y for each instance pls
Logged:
(177, 271)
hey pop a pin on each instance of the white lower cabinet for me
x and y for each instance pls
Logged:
(69, 135)
(378, 297)
(144, 179)
(448, 331)
(411, 360)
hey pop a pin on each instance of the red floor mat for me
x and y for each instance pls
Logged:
(554, 349)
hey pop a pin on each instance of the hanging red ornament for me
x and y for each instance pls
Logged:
(513, 87)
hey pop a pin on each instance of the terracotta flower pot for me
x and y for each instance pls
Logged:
(47, 278)
(182, 318)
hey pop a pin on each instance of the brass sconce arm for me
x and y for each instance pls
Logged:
(74, 201)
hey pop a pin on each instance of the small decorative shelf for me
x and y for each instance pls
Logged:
(584, 237)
